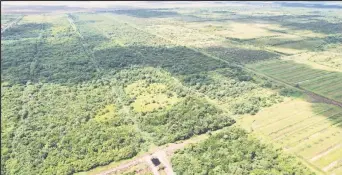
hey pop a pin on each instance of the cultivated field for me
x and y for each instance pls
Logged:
(325, 82)
(313, 131)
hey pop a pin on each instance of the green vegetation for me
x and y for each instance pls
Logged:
(234, 89)
(149, 97)
(190, 117)
(50, 118)
(50, 128)
(82, 90)
(233, 152)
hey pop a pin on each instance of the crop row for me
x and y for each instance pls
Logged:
(309, 130)
(326, 83)
(270, 129)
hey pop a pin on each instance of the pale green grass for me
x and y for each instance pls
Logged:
(288, 108)
(106, 113)
(329, 158)
(300, 127)
(150, 97)
(302, 136)
(336, 171)
(303, 124)
(303, 44)
(321, 144)
(301, 144)
(295, 119)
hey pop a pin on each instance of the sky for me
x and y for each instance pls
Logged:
(85, 4)
(103, 4)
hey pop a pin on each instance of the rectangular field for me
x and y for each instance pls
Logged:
(324, 82)
(311, 131)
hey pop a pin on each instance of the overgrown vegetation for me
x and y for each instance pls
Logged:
(233, 152)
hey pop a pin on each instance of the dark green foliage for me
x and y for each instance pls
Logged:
(16, 59)
(290, 92)
(27, 30)
(232, 152)
(187, 118)
(234, 87)
(49, 129)
(240, 55)
(147, 13)
(177, 60)
(253, 104)
(319, 26)
(58, 60)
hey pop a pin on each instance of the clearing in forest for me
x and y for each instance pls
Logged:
(149, 97)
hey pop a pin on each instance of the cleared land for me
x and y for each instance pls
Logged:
(312, 131)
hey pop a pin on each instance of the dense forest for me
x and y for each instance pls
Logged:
(234, 152)
(57, 122)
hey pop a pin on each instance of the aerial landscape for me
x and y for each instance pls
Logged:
(209, 88)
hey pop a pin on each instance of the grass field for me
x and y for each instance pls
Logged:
(150, 97)
(323, 82)
(311, 131)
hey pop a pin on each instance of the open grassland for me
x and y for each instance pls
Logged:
(324, 82)
(331, 56)
(311, 131)
(149, 97)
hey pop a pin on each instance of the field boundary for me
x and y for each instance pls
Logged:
(314, 95)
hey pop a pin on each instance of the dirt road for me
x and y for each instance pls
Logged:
(11, 24)
(163, 153)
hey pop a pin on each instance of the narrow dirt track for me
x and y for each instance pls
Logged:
(11, 24)
(326, 152)
(330, 166)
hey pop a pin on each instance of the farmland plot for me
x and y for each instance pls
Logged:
(311, 131)
(323, 82)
